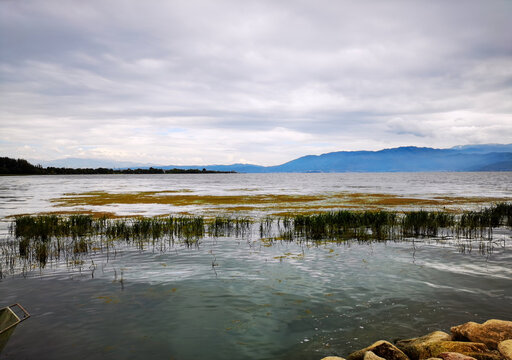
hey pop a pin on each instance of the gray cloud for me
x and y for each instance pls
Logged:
(257, 81)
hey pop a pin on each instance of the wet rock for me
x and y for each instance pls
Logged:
(491, 332)
(370, 355)
(382, 349)
(505, 349)
(417, 348)
(455, 356)
(491, 355)
(477, 350)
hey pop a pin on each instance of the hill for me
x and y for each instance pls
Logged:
(484, 157)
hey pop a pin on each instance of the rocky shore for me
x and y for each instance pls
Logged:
(491, 340)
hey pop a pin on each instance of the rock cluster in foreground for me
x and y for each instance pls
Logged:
(491, 340)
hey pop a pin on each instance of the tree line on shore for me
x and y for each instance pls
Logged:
(9, 166)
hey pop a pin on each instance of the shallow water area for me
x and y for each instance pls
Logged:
(241, 296)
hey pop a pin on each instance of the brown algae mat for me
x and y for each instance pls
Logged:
(275, 204)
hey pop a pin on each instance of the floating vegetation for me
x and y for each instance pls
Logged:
(99, 198)
(37, 240)
(276, 204)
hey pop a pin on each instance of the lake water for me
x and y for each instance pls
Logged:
(237, 297)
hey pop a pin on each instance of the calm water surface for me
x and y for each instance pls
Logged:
(286, 301)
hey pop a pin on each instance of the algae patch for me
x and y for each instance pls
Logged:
(276, 204)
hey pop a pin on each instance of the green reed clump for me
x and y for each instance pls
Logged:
(40, 227)
(79, 225)
(382, 225)
(503, 210)
(229, 226)
(188, 229)
(43, 238)
(44, 227)
(426, 223)
(480, 223)
(345, 224)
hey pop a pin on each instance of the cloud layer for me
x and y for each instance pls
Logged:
(183, 82)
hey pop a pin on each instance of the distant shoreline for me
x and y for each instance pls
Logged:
(16, 167)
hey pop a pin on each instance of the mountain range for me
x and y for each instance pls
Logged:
(487, 157)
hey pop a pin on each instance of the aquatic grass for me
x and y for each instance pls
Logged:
(345, 224)
(479, 223)
(229, 226)
(426, 223)
(44, 238)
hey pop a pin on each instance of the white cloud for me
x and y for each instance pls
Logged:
(259, 81)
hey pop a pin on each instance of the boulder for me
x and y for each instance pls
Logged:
(417, 348)
(477, 350)
(370, 355)
(505, 349)
(491, 332)
(491, 355)
(438, 347)
(455, 356)
(382, 349)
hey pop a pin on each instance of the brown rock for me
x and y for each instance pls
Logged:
(370, 355)
(505, 349)
(490, 332)
(417, 348)
(491, 355)
(382, 349)
(438, 347)
(455, 356)
(332, 358)
(477, 350)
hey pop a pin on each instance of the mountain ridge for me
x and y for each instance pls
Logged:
(483, 157)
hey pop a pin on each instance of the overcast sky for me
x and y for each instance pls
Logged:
(203, 82)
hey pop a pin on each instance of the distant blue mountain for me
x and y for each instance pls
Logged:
(486, 157)
(399, 159)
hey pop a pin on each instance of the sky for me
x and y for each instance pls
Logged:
(262, 82)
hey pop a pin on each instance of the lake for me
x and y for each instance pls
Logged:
(239, 295)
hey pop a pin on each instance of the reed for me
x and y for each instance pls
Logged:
(43, 238)
(425, 223)
(345, 224)
(229, 226)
